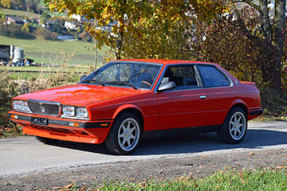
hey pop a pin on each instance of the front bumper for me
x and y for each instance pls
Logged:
(62, 129)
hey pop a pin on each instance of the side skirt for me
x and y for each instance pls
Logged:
(180, 131)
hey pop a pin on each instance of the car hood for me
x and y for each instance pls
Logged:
(80, 94)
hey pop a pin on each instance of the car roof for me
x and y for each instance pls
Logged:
(165, 61)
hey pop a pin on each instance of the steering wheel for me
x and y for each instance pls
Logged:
(141, 78)
(146, 82)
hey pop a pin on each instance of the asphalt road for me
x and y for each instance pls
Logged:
(25, 154)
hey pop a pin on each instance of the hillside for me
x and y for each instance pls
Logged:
(47, 51)
(19, 13)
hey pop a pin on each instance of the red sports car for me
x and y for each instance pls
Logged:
(120, 100)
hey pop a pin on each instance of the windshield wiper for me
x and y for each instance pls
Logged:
(98, 82)
(130, 85)
(122, 83)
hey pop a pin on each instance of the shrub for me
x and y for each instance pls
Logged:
(10, 88)
(45, 34)
(85, 36)
(14, 30)
(7, 91)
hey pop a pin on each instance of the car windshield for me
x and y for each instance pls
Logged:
(135, 75)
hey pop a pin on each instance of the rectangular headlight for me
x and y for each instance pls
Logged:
(81, 112)
(68, 111)
(21, 106)
(74, 112)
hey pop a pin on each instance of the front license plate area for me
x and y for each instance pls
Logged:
(39, 121)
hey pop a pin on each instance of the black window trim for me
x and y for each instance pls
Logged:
(223, 73)
(197, 73)
(178, 65)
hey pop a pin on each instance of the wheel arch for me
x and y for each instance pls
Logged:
(132, 109)
(241, 104)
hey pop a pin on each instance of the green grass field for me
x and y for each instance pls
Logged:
(47, 69)
(50, 52)
(19, 13)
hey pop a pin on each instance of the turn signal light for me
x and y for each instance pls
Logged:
(14, 116)
(74, 124)
(104, 124)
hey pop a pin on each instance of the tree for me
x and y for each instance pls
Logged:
(19, 4)
(6, 3)
(124, 24)
(44, 17)
(25, 28)
(224, 41)
(270, 31)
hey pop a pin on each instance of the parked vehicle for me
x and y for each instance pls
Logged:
(117, 102)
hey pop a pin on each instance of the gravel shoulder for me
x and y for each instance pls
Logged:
(166, 168)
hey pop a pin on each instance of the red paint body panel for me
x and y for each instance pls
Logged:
(159, 110)
(188, 106)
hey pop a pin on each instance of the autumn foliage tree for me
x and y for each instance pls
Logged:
(234, 41)
(224, 41)
(146, 29)
(270, 31)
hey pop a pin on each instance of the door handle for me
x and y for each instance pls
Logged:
(202, 97)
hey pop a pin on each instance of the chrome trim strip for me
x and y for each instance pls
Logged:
(42, 101)
(202, 97)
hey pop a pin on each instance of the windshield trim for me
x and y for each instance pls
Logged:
(112, 62)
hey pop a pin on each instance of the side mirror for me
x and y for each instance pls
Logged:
(166, 86)
(83, 77)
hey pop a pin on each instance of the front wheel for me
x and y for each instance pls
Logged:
(235, 126)
(124, 135)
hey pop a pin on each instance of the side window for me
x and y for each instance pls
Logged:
(212, 77)
(183, 76)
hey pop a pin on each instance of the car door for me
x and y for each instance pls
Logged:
(183, 106)
(220, 93)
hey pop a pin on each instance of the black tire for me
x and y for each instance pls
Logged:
(232, 126)
(117, 140)
(46, 140)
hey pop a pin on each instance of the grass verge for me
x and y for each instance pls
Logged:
(268, 179)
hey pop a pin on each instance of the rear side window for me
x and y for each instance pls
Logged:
(212, 77)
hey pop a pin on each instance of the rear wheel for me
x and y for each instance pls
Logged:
(235, 126)
(124, 135)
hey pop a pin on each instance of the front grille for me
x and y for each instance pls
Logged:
(44, 108)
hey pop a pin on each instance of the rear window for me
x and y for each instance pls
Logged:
(212, 77)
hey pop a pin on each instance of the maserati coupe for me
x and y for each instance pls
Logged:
(119, 101)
